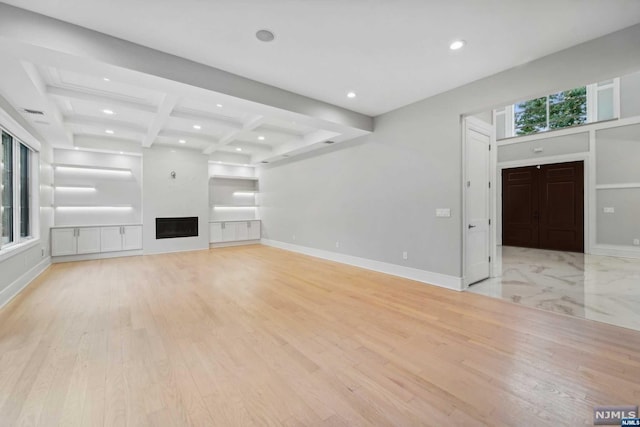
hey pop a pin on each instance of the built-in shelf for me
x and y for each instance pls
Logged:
(246, 178)
(94, 207)
(234, 206)
(84, 168)
(96, 225)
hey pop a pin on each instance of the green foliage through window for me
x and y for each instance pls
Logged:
(559, 110)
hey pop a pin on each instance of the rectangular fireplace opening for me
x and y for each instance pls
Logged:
(170, 228)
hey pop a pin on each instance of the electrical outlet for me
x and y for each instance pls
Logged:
(636, 242)
(337, 244)
(405, 255)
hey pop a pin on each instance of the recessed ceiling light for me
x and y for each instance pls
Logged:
(351, 94)
(238, 149)
(182, 141)
(219, 105)
(106, 79)
(261, 138)
(219, 161)
(75, 148)
(109, 131)
(122, 152)
(108, 112)
(265, 35)
(197, 127)
(458, 44)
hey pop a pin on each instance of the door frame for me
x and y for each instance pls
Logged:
(486, 128)
(561, 158)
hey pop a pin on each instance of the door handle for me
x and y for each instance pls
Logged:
(472, 226)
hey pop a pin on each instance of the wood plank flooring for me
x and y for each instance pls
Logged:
(256, 336)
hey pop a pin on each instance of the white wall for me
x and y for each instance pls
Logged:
(377, 196)
(185, 196)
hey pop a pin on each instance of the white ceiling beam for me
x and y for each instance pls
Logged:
(194, 116)
(160, 120)
(105, 123)
(100, 99)
(175, 134)
(297, 144)
(253, 123)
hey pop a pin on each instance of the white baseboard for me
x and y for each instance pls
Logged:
(617, 251)
(11, 291)
(428, 277)
(228, 244)
(99, 255)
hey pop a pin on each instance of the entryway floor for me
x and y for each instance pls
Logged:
(606, 289)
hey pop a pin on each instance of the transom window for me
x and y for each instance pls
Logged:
(585, 104)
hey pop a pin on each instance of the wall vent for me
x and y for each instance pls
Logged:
(34, 112)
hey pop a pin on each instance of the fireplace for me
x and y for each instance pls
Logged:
(170, 228)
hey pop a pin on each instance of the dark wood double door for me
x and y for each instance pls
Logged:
(543, 207)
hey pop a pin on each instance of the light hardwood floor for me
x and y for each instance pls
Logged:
(258, 336)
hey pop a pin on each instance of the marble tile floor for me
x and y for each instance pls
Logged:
(605, 289)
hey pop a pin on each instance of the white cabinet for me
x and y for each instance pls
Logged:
(234, 231)
(63, 241)
(215, 232)
(111, 239)
(254, 230)
(228, 231)
(131, 237)
(74, 241)
(121, 238)
(90, 240)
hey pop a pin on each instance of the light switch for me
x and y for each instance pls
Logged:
(609, 210)
(443, 212)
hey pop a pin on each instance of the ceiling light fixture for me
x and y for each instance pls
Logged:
(109, 131)
(182, 141)
(108, 112)
(458, 44)
(238, 149)
(75, 148)
(197, 127)
(219, 105)
(351, 94)
(261, 138)
(265, 36)
(106, 79)
(122, 152)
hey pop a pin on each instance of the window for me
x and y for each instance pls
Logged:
(585, 104)
(7, 189)
(15, 191)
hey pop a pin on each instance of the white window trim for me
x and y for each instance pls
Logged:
(10, 249)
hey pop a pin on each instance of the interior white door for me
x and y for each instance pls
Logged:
(477, 227)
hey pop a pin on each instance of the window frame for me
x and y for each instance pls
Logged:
(593, 91)
(33, 220)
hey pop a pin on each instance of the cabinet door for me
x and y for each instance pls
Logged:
(254, 230)
(242, 230)
(110, 239)
(215, 232)
(132, 237)
(88, 240)
(228, 231)
(63, 241)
